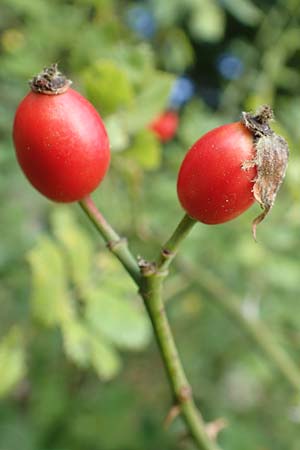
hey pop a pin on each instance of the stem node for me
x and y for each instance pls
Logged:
(147, 268)
(166, 253)
(185, 393)
(113, 244)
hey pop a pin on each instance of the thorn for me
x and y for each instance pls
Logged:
(214, 428)
(171, 416)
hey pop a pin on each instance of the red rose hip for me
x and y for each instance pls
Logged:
(165, 125)
(212, 185)
(230, 167)
(60, 140)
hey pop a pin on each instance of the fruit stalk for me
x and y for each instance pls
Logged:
(170, 248)
(116, 244)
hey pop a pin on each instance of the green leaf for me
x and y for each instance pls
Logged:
(121, 320)
(76, 242)
(12, 360)
(145, 150)
(117, 132)
(151, 101)
(167, 13)
(49, 294)
(104, 358)
(76, 342)
(85, 348)
(138, 62)
(195, 121)
(176, 50)
(244, 10)
(113, 309)
(107, 86)
(207, 22)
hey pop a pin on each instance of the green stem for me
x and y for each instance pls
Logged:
(149, 277)
(117, 245)
(169, 250)
(153, 276)
(181, 389)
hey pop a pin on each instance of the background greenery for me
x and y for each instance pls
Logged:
(78, 365)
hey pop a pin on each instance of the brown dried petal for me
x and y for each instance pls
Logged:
(271, 161)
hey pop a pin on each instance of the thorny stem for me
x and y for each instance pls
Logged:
(182, 392)
(150, 281)
(153, 276)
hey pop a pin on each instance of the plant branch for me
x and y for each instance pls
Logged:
(153, 276)
(181, 389)
(149, 277)
(117, 245)
(255, 328)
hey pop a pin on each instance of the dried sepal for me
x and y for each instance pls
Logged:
(270, 160)
(50, 81)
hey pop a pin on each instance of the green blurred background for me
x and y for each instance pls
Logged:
(79, 369)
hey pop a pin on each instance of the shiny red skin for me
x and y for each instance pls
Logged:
(165, 125)
(212, 186)
(61, 144)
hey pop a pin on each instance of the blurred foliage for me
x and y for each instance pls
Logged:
(93, 308)
(77, 370)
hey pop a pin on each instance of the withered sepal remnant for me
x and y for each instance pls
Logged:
(50, 81)
(270, 160)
